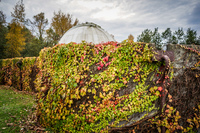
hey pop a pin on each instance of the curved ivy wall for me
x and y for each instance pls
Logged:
(89, 88)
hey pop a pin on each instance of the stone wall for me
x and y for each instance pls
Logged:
(185, 87)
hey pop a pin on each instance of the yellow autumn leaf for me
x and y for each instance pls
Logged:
(89, 90)
(100, 95)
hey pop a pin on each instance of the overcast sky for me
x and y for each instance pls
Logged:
(118, 17)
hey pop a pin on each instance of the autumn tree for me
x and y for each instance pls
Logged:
(61, 23)
(131, 37)
(40, 22)
(16, 40)
(15, 36)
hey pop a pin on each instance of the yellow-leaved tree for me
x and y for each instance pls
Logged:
(131, 38)
(16, 40)
(15, 36)
(61, 23)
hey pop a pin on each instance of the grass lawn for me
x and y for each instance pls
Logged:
(15, 106)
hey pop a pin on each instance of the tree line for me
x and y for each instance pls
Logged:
(23, 37)
(167, 36)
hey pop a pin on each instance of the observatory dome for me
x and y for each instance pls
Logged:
(88, 32)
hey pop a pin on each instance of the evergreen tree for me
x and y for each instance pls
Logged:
(156, 38)
(31, 47)
(52, 38)
(191, 36)
(179, 35)
(167, 35)
(198, 41)
(3, 32)
(174, 40)
(146, 36)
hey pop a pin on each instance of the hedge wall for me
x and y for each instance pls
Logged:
(91, 88)
(10, 73)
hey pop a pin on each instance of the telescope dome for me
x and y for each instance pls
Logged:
(89, 32)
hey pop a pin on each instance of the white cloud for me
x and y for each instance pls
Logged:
(118, 17)
(109, 14)
(94, 4)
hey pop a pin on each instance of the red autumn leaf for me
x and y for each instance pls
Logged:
(82, 58)
(108, 64)
(101, 64)
(105, 59)
(167, 111)
(159, 81)
(82, 83)
(97, 51)
(99, 68)
(160, 88)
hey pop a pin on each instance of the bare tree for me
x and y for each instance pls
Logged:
(40, 22)
(19, 13)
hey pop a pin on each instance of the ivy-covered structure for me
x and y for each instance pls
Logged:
(111, 87)
(94, 88)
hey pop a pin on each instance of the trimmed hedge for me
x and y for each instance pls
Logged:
(90, 88)
(10, 73)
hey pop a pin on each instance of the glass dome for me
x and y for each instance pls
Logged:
(88, 32)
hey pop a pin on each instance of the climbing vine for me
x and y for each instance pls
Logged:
(10, 72)
(181, 112)
(92, 88)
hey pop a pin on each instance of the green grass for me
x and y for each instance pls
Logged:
(14, 108)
